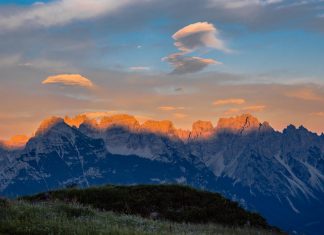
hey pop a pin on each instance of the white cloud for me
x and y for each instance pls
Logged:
(60, 12)
(234, 4)
(69, 80)
(200, 34)
(139, 68)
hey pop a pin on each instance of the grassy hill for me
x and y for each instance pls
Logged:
(46, 218)
(129, 210)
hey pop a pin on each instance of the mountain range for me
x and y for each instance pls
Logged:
(278, 174)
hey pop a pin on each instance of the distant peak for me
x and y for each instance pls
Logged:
(48, 124)
(290, 128)
(123, 120)
(75, 121)
(16, 142)
(201, 129)
(163, 127)
(238, 124)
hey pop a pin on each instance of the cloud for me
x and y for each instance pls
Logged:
(232, 111)
(139, 68)
(197, 35)
(305, 94)
(170, 108)
(188, 64)
(188, 40)
(254, 108)
(319, 114)
(180, 115)
(234, 4)
(69, 80)
(60, 12)
(229, 101)
(247, 109)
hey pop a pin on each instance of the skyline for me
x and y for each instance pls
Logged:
(162, 60)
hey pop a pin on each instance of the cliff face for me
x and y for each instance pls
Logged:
(200, 129)
(240, 124)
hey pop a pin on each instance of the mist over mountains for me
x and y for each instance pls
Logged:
(278, 174)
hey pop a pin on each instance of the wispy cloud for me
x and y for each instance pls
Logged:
(69, 80)
(229, 101)
(319, 114)
(180, 115)
(234, 4)
(254, 108)
(305, 94)
(247, 109)
(60, 12)
(170, 108)
(139, 68)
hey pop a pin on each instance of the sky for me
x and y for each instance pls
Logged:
(181, 60)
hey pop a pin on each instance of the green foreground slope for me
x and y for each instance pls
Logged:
(43, 218)
(170, 202)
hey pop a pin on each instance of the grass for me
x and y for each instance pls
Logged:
(171, 202)
(56, 217)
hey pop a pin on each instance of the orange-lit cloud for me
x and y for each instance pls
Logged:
(229, 101)
(180, 115)
(305, 94)
(170, 108)
(247, 109)
(200, 34)
(69, 80)
(254, 108)
(232, 111)
(319, 114)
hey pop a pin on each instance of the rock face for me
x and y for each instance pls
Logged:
(201, 129)
(159, 127)
(238, 125)
(47, 125)
(126, 121)
(272, 172)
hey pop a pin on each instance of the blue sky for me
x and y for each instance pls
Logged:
(283, 49)
(269, 53)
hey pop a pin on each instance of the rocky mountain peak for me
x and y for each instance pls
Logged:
(75, 121)
(127, 121)
(47, 124)
(202, 129)
(161, 127)
(238, 124)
